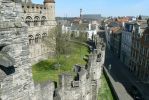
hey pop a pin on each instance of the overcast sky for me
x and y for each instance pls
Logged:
(104, 7)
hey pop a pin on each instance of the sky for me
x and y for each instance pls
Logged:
(71, 8)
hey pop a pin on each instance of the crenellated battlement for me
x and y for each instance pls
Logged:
(84, 84)
(33, 8)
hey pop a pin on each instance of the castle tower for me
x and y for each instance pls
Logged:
(80, 16)
(50, 5)
(80, 13)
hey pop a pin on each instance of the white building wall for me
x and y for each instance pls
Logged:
(107, 33)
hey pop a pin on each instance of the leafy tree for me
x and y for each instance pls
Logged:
(140, 17)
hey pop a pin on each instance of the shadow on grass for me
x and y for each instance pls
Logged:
(45, 65)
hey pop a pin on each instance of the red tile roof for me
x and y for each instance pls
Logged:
(116, 30)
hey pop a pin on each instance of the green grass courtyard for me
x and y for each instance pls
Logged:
(45, 70)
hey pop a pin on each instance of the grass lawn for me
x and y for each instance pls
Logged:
(104, 91)
(45, 70)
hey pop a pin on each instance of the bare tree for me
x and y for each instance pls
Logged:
(58, 41)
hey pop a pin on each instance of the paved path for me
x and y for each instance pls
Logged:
(125, 79)
(119, 88)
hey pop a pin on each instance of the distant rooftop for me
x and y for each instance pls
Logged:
(114, 24)
(91, 16)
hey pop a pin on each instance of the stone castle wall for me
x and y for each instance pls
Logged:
(85, 85)
(40, 19)
(44, 91)
(16, 77)
(16, 81)
(15, 64)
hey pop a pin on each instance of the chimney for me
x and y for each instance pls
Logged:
(89, 27)
(123, 24)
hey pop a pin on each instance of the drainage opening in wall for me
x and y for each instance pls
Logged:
(1, 47)
(6, 62)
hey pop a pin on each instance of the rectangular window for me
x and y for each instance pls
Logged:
(147, 52)
(147, 37)
(130, 28)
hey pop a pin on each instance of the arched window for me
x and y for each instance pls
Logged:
(28, 20)
(31, 39)
(36, 20)
(43, 20)
(37, 38)
(44, 36)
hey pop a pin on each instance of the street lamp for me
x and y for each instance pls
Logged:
(109, 67)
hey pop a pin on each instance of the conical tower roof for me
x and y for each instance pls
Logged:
(49, 1)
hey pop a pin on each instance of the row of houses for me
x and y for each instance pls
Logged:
(86, 23)
(129, 41)
(77, 29)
